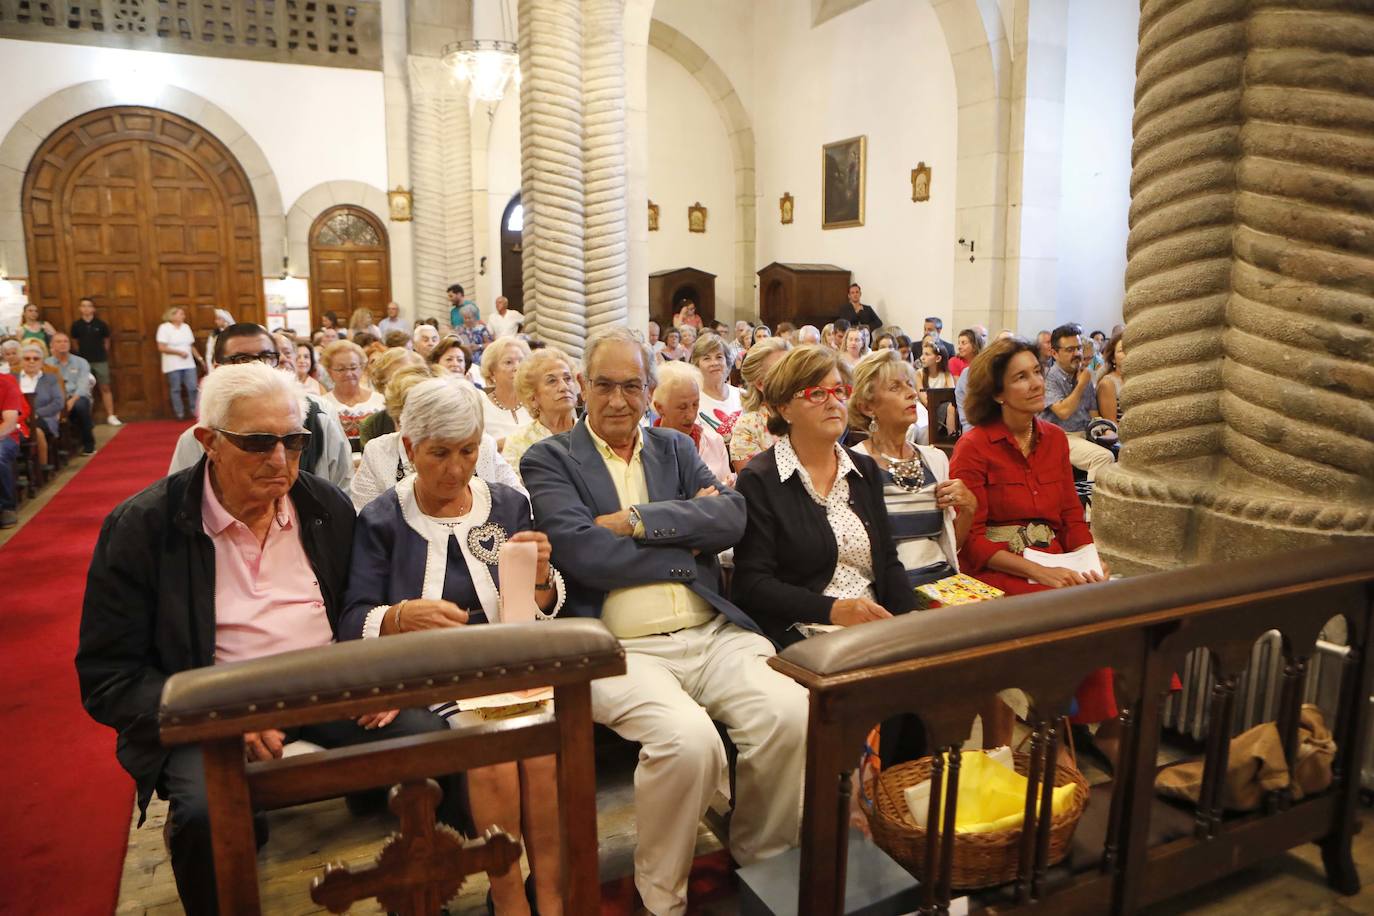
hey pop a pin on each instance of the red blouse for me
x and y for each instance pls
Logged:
(1012, 489)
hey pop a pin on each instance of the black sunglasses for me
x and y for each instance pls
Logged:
(261, 443)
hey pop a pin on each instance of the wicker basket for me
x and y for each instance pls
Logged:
(980, 859)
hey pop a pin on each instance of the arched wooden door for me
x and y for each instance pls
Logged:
(350, 264)
(142, 210)
(512, 260)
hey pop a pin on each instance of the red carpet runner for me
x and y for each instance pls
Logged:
(64, 817)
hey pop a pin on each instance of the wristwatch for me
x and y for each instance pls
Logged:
(636, 523)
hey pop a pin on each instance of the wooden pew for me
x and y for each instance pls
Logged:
(939, 664)
(214, 706)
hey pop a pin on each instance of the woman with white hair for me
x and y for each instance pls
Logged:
(385, 462)
(425, 557)
(677, 400)
(46, 389)
(501, 406)
(547, 386)
(222, 320)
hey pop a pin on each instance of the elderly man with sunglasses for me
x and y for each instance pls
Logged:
(241, 556)
(328, 453)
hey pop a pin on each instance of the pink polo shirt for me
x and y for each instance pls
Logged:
(267, 599)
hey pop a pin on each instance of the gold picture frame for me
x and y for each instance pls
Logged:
(696, 218)
(786, 208)
(653, 216)
(920, 183)
(400, 205)
(844, 180)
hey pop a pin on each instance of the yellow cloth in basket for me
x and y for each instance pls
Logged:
(992, 795)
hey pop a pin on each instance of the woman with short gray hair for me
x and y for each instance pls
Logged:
(425, 556)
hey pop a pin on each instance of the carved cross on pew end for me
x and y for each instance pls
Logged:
(420, 868)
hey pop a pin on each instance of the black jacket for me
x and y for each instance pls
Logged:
(149, 610)
(788, 553)
(864, 316)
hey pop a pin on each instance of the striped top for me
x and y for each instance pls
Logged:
(919, 527)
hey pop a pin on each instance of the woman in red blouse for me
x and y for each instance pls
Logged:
(1017, 467)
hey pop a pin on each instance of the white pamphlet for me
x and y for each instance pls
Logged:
(1082, 560)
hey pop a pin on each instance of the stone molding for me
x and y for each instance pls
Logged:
(315, 201)
(28, 133)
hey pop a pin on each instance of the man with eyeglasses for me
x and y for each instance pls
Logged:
(637, 520)
(239, 557)
(328, 453)
(1071, 399)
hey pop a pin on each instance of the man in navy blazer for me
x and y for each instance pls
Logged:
(636, 520)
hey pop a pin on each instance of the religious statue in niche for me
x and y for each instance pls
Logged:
(843, 179)
(920, 182)
(696, 218)
(653, 216)
(399, 204)
(785, 207)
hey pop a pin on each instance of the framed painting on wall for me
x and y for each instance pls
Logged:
(843, 174)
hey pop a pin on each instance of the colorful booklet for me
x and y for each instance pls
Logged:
(958, 589)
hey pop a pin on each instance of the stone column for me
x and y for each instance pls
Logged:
(603, 157)
(1249, 422)
(551, 131)
(441, 172)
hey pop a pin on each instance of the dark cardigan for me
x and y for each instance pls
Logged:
(788, 553)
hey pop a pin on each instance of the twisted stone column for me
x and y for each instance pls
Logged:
(1250, 286)
(603, 157)
(441, 175)
(551, 171)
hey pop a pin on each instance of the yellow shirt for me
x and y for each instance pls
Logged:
(643, 610)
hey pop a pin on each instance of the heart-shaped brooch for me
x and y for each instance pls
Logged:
(485, 542)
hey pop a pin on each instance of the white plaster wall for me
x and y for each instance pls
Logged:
(725, 30)
(882, 69)
(1096, 177)
(689, 161)
(314, 124)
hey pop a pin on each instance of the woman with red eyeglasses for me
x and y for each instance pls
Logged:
(787, 571)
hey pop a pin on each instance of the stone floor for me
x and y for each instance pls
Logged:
(305, 839)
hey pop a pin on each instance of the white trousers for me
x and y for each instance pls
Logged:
(674, 686)
(1088, 456)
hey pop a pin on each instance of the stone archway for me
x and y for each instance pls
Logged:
(315, 201)
(28, 133)
(976, 34)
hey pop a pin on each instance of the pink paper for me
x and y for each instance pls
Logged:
(515, 567)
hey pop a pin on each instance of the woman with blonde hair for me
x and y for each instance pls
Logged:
(361, 322)
(749, 435)
(379, 373)
(352, 401)
(176, 342)
(547, 386)
(385, 463)
(500, 363)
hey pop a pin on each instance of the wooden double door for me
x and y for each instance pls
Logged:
(141, 210)
(350, 266)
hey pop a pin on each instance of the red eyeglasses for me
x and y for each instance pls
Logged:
(817, 394)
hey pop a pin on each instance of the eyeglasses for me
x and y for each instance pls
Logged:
(261, 443)
(604, 387)
(817, 394)
(270, 357)
(351, 367)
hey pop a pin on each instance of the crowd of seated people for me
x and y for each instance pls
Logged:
(632, 471)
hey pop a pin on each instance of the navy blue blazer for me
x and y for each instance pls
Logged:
(389, 558)
(569, 487)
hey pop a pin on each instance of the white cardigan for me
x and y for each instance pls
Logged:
(377, 472)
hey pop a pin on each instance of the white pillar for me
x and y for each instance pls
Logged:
(603, 148)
